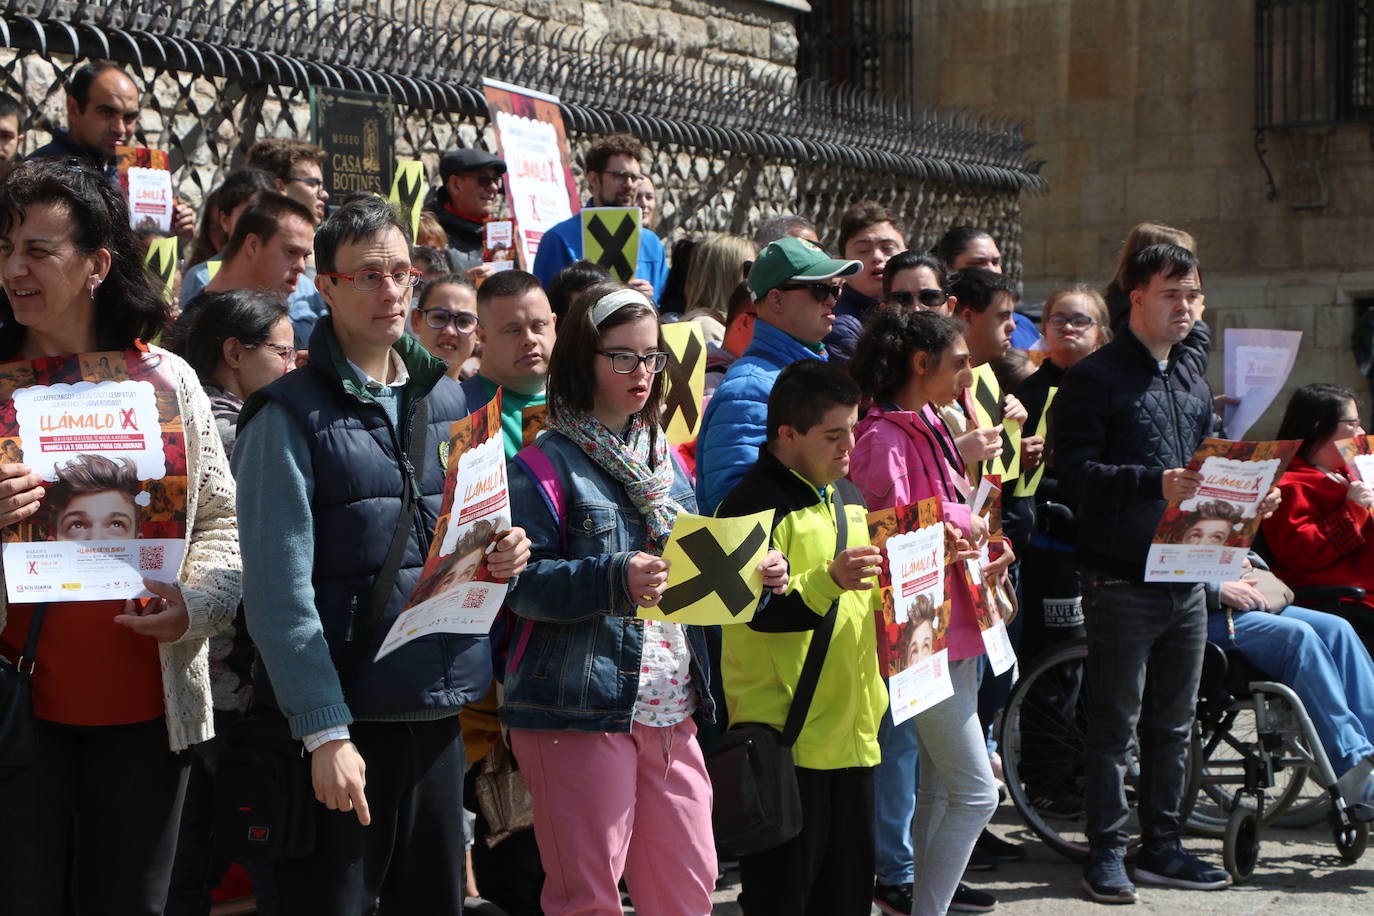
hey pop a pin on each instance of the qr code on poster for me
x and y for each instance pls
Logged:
(151, 557)
(475, 598)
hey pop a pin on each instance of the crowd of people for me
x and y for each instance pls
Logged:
(320, 353)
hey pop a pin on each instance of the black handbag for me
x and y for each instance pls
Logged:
(264, 802)
(757, 803)
(16, 703)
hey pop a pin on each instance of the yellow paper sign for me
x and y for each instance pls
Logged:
(610, 237)
(714, 576)
(162, 262)
(212, 268)
(408, 193)
(987, 403)
(686, 381)
(1028, 485)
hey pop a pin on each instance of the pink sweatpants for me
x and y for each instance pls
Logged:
(607, 804)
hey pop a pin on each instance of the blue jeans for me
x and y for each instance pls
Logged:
(896, 780)
(1322, 659)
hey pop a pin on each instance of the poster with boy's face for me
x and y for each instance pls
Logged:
(104, 432)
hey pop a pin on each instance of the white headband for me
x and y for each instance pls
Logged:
(611, 302)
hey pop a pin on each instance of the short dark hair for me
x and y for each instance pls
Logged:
(601, 151)
(955, 242)
(1218, 510)
(977, 288)
(440, 282)
(279, 155)
(128, 306)
(572, 372)
(242, 185)
(1173, 261)
(247, 315)
(910, 260)
(882, 356)
(506, 283)
(86, 474)
(779, 227)
(862, 215)
(804, 392)
(1313, 413)
(358, 220)
(263, 217)
(80, 86)
(569, 283)
(10, 106)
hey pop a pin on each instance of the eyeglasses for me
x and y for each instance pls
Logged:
(314, 184)
(819, 291)
(287, 354)
(629, 177)
(1077, 322)
(439, 318)
(624, 362)
(367, 280)
(485, 181)
(928, 298)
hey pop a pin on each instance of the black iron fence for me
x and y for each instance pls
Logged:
(729, 146)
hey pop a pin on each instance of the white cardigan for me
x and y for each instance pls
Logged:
(210, 570)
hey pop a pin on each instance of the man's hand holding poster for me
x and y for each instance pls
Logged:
(104, 432)
(455, 593)
(914, 627)
(1205, 538)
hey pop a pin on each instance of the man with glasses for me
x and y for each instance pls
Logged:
(468, 196)
(871, 235)
(297, 167)
(385, 747)
(614, 174)
(794, 285)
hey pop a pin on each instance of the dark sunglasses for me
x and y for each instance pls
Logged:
(819, 291)
(928, 298)
(485, 181)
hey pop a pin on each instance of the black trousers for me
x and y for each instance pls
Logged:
(91, 827)
(411, 856)
(827, 869)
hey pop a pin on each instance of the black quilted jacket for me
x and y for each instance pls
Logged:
(1118, 423)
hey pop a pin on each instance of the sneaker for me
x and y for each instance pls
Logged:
(982, 860)
(968, 900)
(1356, 787)
(1104, 877)
(892, 899)
(1059, 803)
(1002, 849)
(1167, 865)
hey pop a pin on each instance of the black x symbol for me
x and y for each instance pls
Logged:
(409, 192)
(719, 572)
(163, 264)
(613, 246)
(679, 395)
(988, 398)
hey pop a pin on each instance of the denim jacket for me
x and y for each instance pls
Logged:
(581, 662)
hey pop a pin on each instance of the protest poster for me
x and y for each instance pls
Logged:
(161, 262)
(913, 629)
(455, 593)
(714, 575)
(686, 381)
(146, 179)
(989, 597)
(1257, 365)
(1205, 538)
(498, 244)
(104, 432)
(1358, 454)
(610, 237)
(408, 193)
(530, 137)
(1030, 481)
(357, 130)
(533, 420)
(986, 397)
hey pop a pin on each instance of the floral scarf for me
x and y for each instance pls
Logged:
(640, 462)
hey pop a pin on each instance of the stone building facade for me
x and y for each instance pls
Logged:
(1146, 111)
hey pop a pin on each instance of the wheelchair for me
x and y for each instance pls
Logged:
(1254, 758)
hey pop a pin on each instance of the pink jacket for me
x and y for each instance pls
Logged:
(898, 460)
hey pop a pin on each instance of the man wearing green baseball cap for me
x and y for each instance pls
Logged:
(794, 283)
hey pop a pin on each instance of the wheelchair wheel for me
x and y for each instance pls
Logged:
(1042, 742)
(1351, 840)
(1241, 843)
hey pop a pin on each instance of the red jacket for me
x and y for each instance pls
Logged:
(1317, 536)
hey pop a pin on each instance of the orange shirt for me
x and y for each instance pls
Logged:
(91, 670)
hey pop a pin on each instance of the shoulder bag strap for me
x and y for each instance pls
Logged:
(26, 658)
(820, 644)
(360, 638)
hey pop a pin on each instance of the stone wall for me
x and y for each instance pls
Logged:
(1144, 111)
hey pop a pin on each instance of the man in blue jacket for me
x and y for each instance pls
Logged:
(614, 173)
(794, 286)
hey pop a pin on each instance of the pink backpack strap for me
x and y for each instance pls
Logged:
(532, 460)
